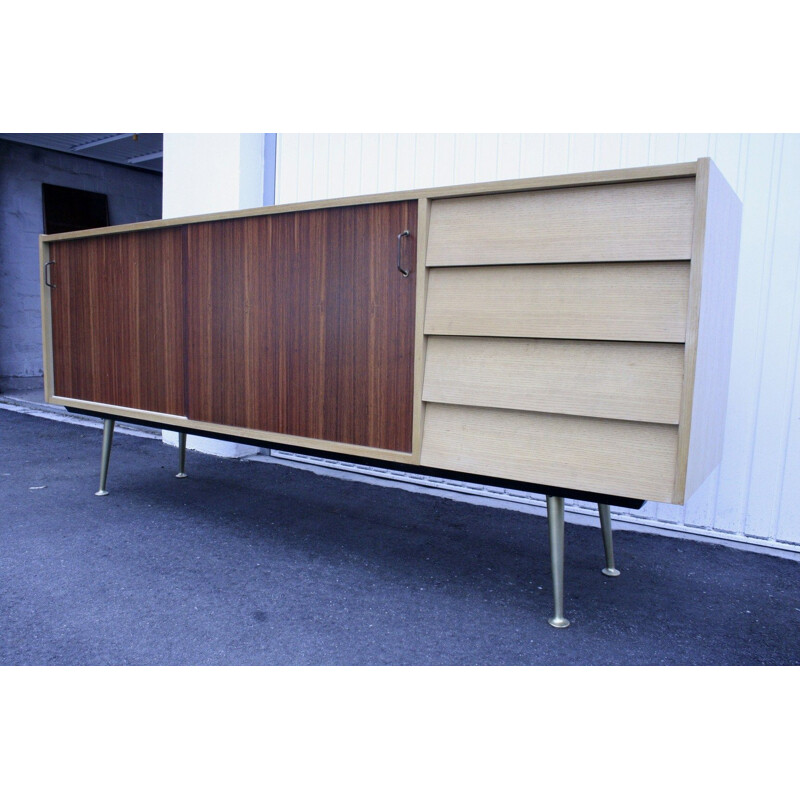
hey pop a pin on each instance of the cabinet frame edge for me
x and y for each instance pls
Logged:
(420, 339)
(47, 321)
(624, 175)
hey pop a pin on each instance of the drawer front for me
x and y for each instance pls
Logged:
(646, 221)
(628, 459)
(615, 380)
(630, 302)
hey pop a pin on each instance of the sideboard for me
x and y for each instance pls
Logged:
(567, 334)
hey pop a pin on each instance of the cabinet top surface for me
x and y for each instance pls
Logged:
(515, 185)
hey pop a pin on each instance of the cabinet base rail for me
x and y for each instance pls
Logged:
(555, 504)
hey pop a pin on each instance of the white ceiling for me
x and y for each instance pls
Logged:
(140, 150)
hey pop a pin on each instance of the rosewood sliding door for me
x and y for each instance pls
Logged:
(117, 319)
(301, 323)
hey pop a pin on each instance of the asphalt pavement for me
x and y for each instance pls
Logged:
(264, 564)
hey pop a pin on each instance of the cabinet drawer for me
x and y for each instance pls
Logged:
(615, 380)
(627, 459)
(647, 221)
(634, 302)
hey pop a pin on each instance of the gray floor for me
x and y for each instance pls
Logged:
(253, 563)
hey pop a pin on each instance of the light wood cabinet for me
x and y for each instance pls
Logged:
(571, 333)
(564, 328)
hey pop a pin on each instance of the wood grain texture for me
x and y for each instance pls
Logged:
(635, 302)
(117, 320)
(619, 380)
(301, 324)
(628, 459)
(712, 300)
(620, 222)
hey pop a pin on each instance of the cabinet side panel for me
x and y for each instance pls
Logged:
(117, 320)
(713, 294)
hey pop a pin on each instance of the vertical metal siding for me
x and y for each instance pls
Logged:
(755, 494)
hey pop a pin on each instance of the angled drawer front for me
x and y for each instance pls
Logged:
(626, 302)
(556, 323)
(629, 459)
(628, 381)
(651, 220)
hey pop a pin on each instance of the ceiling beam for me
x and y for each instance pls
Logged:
(105, 140)
(148, 157)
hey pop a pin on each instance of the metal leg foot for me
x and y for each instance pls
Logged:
(181, 454)
(555, 522)
(608, 540)
(108, 435)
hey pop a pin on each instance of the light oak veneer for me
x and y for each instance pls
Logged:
(605, 456)
(629, 302)
(633, 381)
(547, 300)
(619, 222)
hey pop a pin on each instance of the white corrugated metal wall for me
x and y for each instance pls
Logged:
(755, 494)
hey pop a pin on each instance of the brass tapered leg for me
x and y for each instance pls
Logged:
(181, 454)
(608, 540)
(555, 522)
(108, 435)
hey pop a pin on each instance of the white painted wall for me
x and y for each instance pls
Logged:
(755, 494)
(207, 172)
(203, 173)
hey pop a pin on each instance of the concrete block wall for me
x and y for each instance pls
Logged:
(133, 196)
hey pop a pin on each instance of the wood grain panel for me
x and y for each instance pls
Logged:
(645, 221)
(620, 380)
(301, 324)
(627, 459)
(635, 302)
(117, 320)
